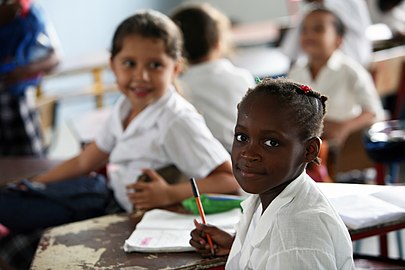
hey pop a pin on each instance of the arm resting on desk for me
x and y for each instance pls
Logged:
(90, 159)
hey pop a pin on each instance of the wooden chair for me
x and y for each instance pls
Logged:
(47, 108)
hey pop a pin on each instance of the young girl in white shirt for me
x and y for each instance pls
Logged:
(151, 127)
(287, 223)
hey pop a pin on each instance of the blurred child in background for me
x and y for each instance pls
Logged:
(211, 82)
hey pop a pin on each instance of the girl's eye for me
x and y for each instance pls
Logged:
(155, 65)
(128, 63)
(240, 137)
(271, 143)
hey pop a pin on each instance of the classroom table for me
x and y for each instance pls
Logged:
(17, 168)
(98, 242)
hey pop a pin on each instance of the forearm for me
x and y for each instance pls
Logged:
(68, 169)
(364, 120)
(43, 65)
(91, 158)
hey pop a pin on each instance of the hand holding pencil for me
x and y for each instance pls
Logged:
(204, 233)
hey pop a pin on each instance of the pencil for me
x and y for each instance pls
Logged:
(201, 210)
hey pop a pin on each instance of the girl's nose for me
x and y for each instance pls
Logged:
(250, 157)
(141, 74)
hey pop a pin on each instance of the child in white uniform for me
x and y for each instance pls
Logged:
(353, 102)
(151, 127)
(211, 82)
(287, 222)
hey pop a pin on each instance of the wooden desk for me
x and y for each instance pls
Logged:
(97, 244)
(16, 168)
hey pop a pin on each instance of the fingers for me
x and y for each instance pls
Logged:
(154, 176)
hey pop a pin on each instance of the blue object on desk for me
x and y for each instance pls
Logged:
(385, 141)
(385, 144)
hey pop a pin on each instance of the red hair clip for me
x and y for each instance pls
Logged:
(305, 88)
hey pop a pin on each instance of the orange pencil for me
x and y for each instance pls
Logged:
(201, 210)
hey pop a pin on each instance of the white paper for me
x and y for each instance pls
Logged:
(165, 231)
(361, 211)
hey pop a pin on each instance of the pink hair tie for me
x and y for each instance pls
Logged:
(305, 88)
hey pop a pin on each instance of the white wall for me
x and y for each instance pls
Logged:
(87, 25)
(250, 10)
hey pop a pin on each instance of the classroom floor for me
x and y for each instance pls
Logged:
(65, 145)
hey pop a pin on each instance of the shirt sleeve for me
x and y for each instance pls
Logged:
(105, 138)
(304, 259)
(192, 147)
(366, 93)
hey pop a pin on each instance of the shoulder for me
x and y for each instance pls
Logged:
(178, 112)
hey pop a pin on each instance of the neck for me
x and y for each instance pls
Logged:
(268, 197)
(316, 63)
(211, 56)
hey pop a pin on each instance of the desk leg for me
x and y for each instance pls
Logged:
(383, 245)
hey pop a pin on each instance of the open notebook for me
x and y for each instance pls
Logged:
(365, 209)
(165, 231)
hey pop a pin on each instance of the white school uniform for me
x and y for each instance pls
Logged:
(298, 230)
(169, 131)
(348, 86)
(215, 88)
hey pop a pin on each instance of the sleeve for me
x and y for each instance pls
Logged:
(192, 147)
(366, 93)
(301, 259)
(105, 138)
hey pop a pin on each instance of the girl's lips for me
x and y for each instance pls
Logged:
(140, 91)
(247, 172)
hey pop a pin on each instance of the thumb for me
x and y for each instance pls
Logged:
(153, 175)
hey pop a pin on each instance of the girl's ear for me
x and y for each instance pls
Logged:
(339, 41)
(312, 149)
(178, 67)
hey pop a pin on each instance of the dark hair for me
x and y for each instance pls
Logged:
(307, 106)
(338, 24)
(149, 24)
(387, 5)
(203, 28)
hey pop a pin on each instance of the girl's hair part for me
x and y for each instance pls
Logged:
(305, 106)
(149, 24)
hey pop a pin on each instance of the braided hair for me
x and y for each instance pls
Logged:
(307, 106)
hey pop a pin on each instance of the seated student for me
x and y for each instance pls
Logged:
(211, 83)
(356, 18)
(287, 223)
(353, 102)
(27, 51)
(151, 127)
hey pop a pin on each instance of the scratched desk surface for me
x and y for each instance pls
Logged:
(97, 244)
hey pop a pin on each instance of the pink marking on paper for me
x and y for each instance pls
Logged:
(146, 241)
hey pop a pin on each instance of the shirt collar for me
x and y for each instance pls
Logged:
(148, 117)
(335, 60)
(285, 197)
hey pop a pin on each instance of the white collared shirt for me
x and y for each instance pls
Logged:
(215, 88)
(169, 131)
(348, 86)
(299, 230)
